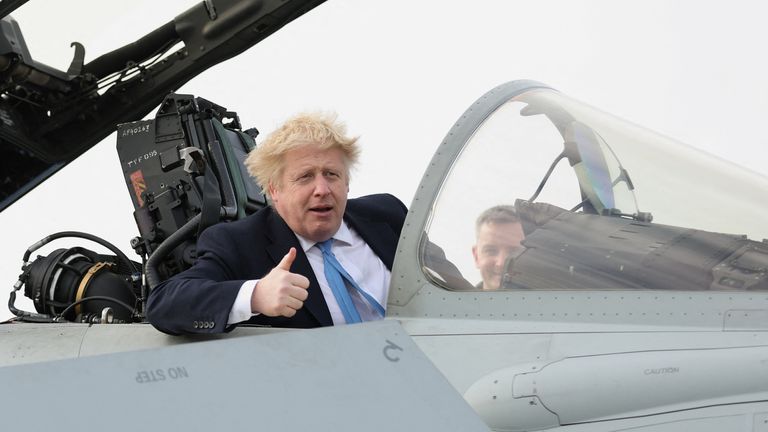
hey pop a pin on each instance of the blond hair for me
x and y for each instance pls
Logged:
(266, 162)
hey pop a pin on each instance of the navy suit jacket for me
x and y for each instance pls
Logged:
(199, 299)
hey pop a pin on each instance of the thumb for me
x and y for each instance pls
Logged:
(287, 260)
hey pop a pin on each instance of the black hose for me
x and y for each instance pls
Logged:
(129, 308)
(83, 235)
(173, 241)
(27, 316)
(546, 177)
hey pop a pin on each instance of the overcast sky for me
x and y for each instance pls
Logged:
(400, 72)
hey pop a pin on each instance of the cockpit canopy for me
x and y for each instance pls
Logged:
(602, 204)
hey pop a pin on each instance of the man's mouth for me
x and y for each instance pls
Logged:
(321, 210)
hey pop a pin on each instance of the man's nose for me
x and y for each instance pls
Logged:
(321, 186)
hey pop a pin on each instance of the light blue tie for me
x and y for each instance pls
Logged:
(337, 276)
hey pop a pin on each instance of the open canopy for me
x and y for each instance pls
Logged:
(48, 117)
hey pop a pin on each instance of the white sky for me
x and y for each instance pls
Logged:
(400, 72)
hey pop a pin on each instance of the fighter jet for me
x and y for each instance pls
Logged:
(626, 291)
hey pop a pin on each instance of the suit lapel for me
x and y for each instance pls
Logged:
(380, 237)
(281, 240)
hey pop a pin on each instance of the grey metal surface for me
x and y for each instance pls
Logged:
(33, 343)
(361, 377)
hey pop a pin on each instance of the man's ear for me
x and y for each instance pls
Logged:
(474, 254)
(273, 192)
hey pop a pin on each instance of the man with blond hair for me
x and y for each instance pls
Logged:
(311, 258)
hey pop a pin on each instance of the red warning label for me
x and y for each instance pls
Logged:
(139, 186)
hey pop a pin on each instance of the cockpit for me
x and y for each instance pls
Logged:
(591, 202)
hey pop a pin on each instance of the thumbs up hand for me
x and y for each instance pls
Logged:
(287, 260)
(280, 292)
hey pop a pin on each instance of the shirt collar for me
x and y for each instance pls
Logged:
(343, 235)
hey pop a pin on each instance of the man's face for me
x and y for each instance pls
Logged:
(495, 243)
(312, 193)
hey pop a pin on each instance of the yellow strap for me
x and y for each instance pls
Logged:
(86, 280)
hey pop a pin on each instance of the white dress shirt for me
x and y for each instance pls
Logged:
(357, 258)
